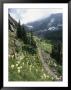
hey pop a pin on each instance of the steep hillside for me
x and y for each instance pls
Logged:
(24, 64)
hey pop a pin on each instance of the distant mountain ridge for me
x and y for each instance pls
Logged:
(50, 27)
(50, 23)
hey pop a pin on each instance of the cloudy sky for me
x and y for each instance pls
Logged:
(30, 15)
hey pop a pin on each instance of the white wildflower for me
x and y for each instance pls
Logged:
(23, 63)
(58, 78)
(52, 78)
(44, 75)
(21, 57)
(30, 67)
(33, 58)
(18, 62)
(42, 70)
(18, 68)
(12, 66)
(55, 64)
(16, 65)
(27, 63)
(19, 71)
(36, 70)
(12, 56)
(47, 76)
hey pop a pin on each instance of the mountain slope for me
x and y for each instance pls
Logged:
(53, 20)
(50, 27)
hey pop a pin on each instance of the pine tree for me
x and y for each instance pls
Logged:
(24, 35)
(56, 52)
(19, 30)
(33, 43)
(21, 33)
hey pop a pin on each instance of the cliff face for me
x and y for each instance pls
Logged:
(12, 28)
(12, 23)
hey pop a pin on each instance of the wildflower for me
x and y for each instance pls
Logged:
(44, 75)
(23, 63)
(18, 68)
(12, 66)
(52, 78)
(27, 63)
(47, 76)
(58, 78)
(19, 71)
(21, 57)
(12, 56)
(36, 70)
(16, 64)
(30, 67)
(55, 64)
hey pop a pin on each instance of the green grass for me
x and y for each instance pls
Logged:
(46, 47)
(44, 44)
(27, 69)
(26, 66)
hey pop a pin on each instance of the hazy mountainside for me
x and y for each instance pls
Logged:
(28, 28)
(54, 20)
(50, 27)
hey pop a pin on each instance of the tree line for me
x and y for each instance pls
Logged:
(28, 40)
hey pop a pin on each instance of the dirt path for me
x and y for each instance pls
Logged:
(46, 67)
(43, 56)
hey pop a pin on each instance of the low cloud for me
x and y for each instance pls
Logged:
(30, 15)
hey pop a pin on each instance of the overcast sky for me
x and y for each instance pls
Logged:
(30, 15)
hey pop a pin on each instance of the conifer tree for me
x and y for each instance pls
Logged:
(56, 52)
(24, 35)
(21, 33)
(19, 30)
(33, 43)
